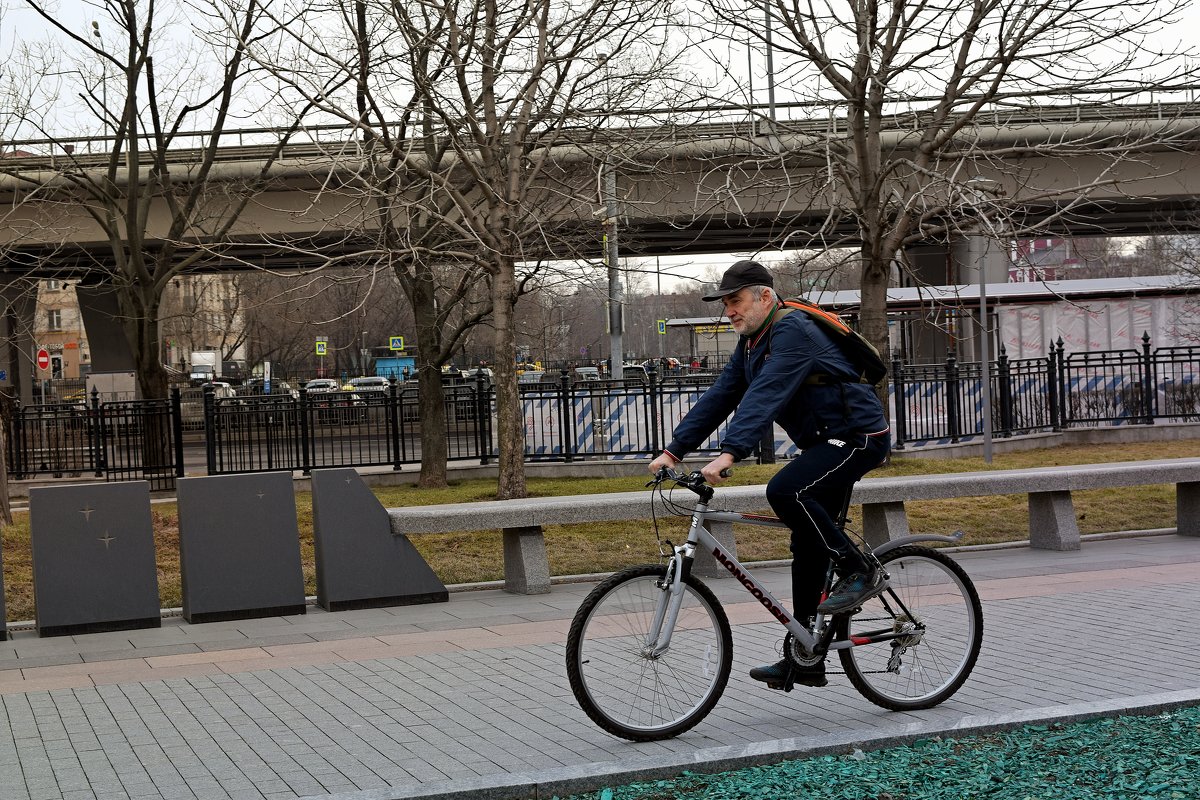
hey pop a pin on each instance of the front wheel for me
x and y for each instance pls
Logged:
(927, 627)
(628, 690)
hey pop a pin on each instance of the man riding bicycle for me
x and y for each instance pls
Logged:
(787, 369)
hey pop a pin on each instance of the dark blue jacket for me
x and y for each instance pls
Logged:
(767, 380)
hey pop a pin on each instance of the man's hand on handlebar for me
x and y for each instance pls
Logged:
(664, 460)
(717, 470)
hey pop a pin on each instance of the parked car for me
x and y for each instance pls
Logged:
(587, 373)
(220, 389)
(489, 377)
(635, 372)
(255, 386)
(333, 405)
(374, 383)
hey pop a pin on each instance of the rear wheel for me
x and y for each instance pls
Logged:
(622, 686)
(933, 605)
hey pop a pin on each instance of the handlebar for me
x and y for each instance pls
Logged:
(693, 481)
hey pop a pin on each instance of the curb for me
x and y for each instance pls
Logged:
(596, 776)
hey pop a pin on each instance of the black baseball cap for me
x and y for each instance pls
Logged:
(739, 276)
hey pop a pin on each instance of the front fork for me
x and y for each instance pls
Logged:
(670, 600)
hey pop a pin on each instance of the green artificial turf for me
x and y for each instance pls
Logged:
(1115, 758)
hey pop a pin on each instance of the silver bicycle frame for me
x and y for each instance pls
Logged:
(666, 612)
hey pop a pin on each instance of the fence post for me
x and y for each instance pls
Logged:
(952, 421)
(652, 396)
(305, 449)
(101, 459)
(901, 406)
(393, 420)
(1149, 383)
(177, 429)
(210, 429)
(1056, 352)
(1004, 392)
(566, 416)
(483, 415)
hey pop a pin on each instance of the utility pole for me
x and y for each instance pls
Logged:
(616, 317)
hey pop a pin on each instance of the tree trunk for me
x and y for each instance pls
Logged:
(510, 422)
(433, 423)
(141, 312)
(872, 320)
(5, 417)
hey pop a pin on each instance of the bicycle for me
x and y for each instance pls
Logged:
(650, 649)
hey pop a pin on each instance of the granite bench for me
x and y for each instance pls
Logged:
(1052, 522)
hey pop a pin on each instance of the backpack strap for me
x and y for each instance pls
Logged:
(815, 378)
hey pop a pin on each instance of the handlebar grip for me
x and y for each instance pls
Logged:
(726, 473)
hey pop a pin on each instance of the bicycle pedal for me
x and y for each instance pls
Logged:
(785, 686)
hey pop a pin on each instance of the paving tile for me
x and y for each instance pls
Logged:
(475, 689)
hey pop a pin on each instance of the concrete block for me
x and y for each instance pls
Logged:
(239, 547)
(1187, 508)
(360, 564)
(93, 558)
(705, 565)
(884, 521)
(1052, 523)
(526, 568)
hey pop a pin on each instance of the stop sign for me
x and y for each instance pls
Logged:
(43, 359)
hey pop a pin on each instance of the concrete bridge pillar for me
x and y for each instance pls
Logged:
(18, 300)
(102, 321)
(957, 263)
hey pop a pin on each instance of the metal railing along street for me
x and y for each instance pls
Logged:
(570, 420)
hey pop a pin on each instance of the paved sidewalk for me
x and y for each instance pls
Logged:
(470, 698)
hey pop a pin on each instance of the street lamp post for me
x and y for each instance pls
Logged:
(978, 252)
(103, 74)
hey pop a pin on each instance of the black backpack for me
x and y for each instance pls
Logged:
(861, 353)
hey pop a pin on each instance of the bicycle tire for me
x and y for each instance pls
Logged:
(932, 664)
(628, 693)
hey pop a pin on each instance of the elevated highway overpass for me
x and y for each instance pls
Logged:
(699, 188)
(738, 185)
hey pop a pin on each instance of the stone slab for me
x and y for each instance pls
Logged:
(3, 612)
(529, 512)
(93, 558)
(360, 564)
(239, 547)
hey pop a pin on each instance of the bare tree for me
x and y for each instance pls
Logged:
(152, 194)
(474, 123)
(918, 113)
(352, 310)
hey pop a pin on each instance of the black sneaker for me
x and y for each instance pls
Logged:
(852, 591)
(783, 675)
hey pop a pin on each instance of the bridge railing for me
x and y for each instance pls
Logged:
(699, 121)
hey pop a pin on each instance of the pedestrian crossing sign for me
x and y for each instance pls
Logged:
(396, 343)
(662, 327)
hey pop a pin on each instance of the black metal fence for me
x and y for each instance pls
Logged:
(122, 440)
(347, 428)
(568, 420)
(943, 402)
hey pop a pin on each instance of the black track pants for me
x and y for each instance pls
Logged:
(808, 494)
